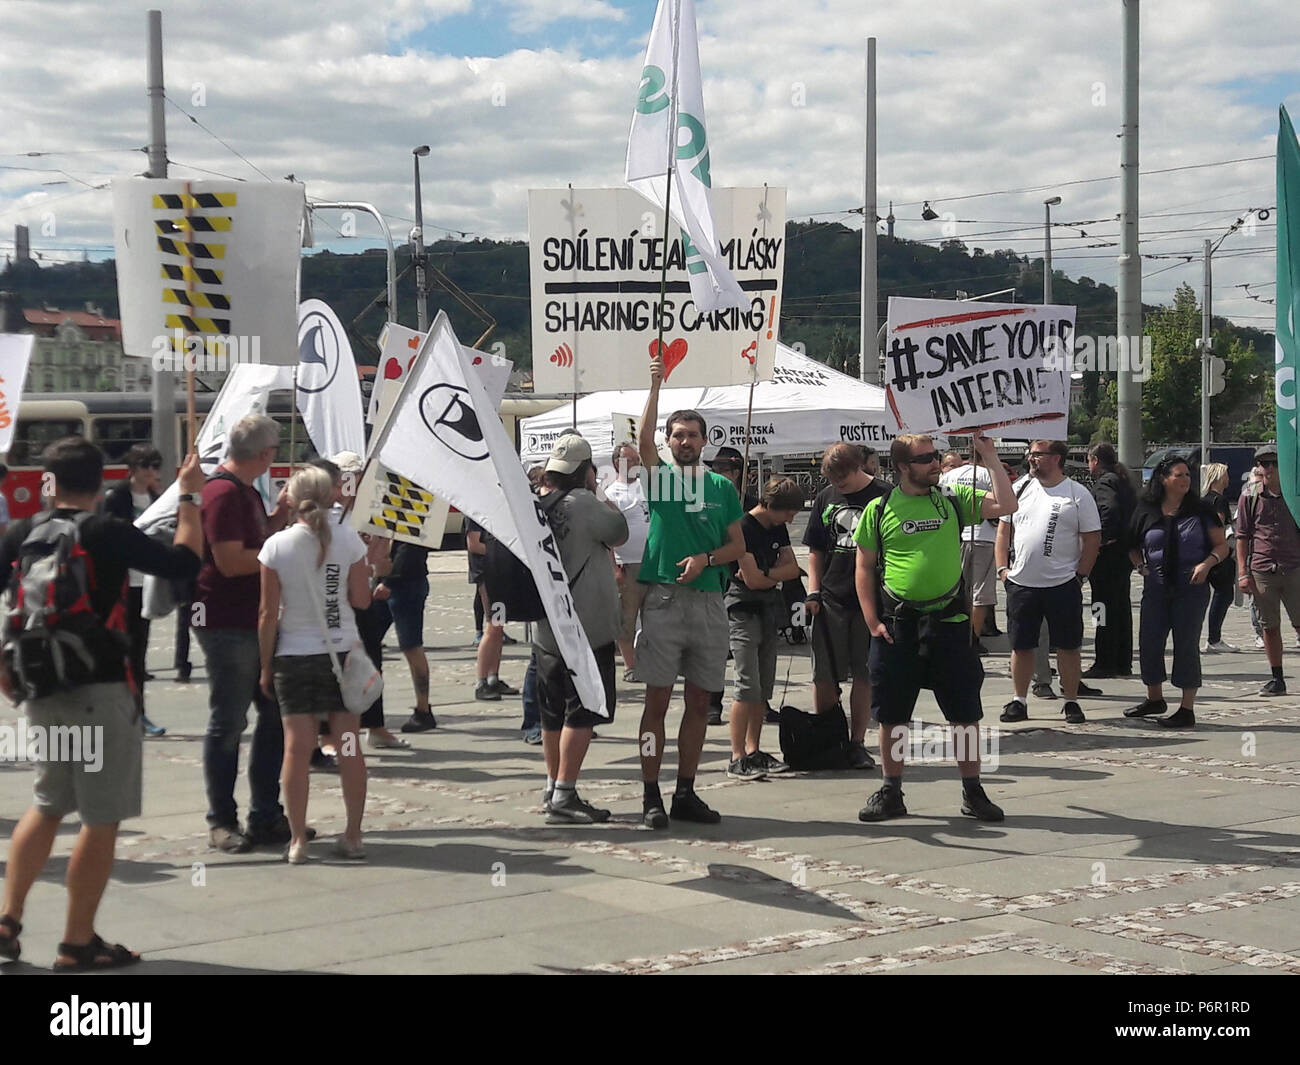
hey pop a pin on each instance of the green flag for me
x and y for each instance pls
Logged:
(1288, 309)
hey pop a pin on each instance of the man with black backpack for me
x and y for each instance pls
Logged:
(66, 658)
(909, 581)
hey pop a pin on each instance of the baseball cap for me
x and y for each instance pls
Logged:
(570, 452)
(727, 454)
(347, 461)
(1268, 451)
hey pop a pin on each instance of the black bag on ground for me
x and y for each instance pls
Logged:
(814, 741)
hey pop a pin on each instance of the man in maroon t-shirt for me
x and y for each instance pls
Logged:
(226, 600)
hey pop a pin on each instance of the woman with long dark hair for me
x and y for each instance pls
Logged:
(1175, 542)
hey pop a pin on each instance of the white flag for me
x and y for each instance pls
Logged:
(329, 390)
(669, 118)
(444, 435)
(15, 354)
(247, 391)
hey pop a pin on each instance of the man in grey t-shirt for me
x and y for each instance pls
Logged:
(585, 530)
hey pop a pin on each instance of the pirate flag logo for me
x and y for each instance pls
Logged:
(449, 416)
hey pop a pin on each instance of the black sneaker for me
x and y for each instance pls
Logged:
(276, 834)
(771, 717)
(746, 767)
(884, 804)
(654, 816)
(419, 722)
(1183, 717)
(1088, 692)
(690, 807)
(771, 766)
(980, 649)
(229, 839)
(1014, 711)
(976, 804)
(183, 673)
(715, 715)
(574, 811)
(502, 688)
(484, 694)
(1147, 708)
(1073, 714)
(1275, 686)
(323, 763)
(860, 757)
(1044, 691)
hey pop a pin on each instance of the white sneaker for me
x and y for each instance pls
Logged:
(1223, 647)
(1259, 643)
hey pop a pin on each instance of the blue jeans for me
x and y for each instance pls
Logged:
(1179, 609)
(532, 715)
(233, 666)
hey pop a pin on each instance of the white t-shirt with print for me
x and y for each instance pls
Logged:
(983, 533)
(1048, 530)
(293, 554)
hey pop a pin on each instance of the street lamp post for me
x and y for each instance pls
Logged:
(417, 240)
(1047, 248)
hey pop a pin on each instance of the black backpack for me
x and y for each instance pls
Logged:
(53, 639)
(510, 583)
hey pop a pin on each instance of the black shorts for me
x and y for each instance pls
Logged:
(946, 664)
(1061, 606)
(557, 699)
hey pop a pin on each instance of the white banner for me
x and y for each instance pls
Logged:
(670, 102)
(15, 355)
(955, 367)
(444, 432)
(208, 270)
(329, 390)
(398, 346)
(594, 263)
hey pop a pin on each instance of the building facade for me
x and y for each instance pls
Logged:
(80, 351)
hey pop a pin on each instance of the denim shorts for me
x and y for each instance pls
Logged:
(407, 596)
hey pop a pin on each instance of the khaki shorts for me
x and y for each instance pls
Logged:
(630, 598)
(841, 643)
(753, 654)
(981, 576)
(93, 753)
(684, 633)
(1276, 589)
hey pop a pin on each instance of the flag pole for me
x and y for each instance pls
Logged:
(293, 418)
(668, 183)
(753, 380)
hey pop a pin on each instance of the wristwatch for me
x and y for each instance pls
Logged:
(708, 557)
(190, 497)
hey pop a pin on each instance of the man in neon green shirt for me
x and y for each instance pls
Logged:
(918, 618)
(694, 532)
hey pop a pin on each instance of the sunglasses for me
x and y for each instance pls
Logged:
(1040, 454)
(926, 459)
(1267, 462)
(150, 466)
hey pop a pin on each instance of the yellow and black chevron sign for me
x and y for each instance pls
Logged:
(198, 223)
(186, 202)
(200, 274)
(197, 325)
(403, 490)
(394, 525)
(214, 300)
(191, 249)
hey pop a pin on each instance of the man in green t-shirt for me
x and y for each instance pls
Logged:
(694, 532)
(918, 618)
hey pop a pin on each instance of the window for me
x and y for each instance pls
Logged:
(49, 380)
(115, 435)
(33, 435)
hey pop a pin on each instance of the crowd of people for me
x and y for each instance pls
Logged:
(670, 568)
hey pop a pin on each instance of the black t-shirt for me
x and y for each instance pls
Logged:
(830, 529)
(409, 560)
(476, 562)
(765, 545)
(114, 546)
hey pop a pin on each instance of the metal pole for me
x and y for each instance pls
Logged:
(1130, 262)
(1205, 360)
(868, 364)
(162, 387)
(1047, 255)
(373, 211)
(421, 286)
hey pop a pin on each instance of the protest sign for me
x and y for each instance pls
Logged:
(595, 258)
(15, 355)
(957, 367)
(207, 271)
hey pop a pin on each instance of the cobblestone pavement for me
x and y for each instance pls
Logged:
(1126, 849)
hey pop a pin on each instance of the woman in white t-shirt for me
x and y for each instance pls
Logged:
(313, 564)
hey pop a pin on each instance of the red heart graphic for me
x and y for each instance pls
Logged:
(414, 342)
(672, 355)
(478, 359)
(409, 362)
(392, 370)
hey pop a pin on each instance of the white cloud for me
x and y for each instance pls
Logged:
(973, 98)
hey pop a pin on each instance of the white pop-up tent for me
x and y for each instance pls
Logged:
(805, 407)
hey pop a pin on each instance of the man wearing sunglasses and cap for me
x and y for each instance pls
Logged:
(1268, 560)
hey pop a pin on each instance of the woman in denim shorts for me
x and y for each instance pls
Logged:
(311, 566)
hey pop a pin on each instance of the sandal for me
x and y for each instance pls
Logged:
(10, 948)
(94, 955)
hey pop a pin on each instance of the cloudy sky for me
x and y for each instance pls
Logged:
(986, 107)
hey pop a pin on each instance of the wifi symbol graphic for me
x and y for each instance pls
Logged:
(562, 356)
